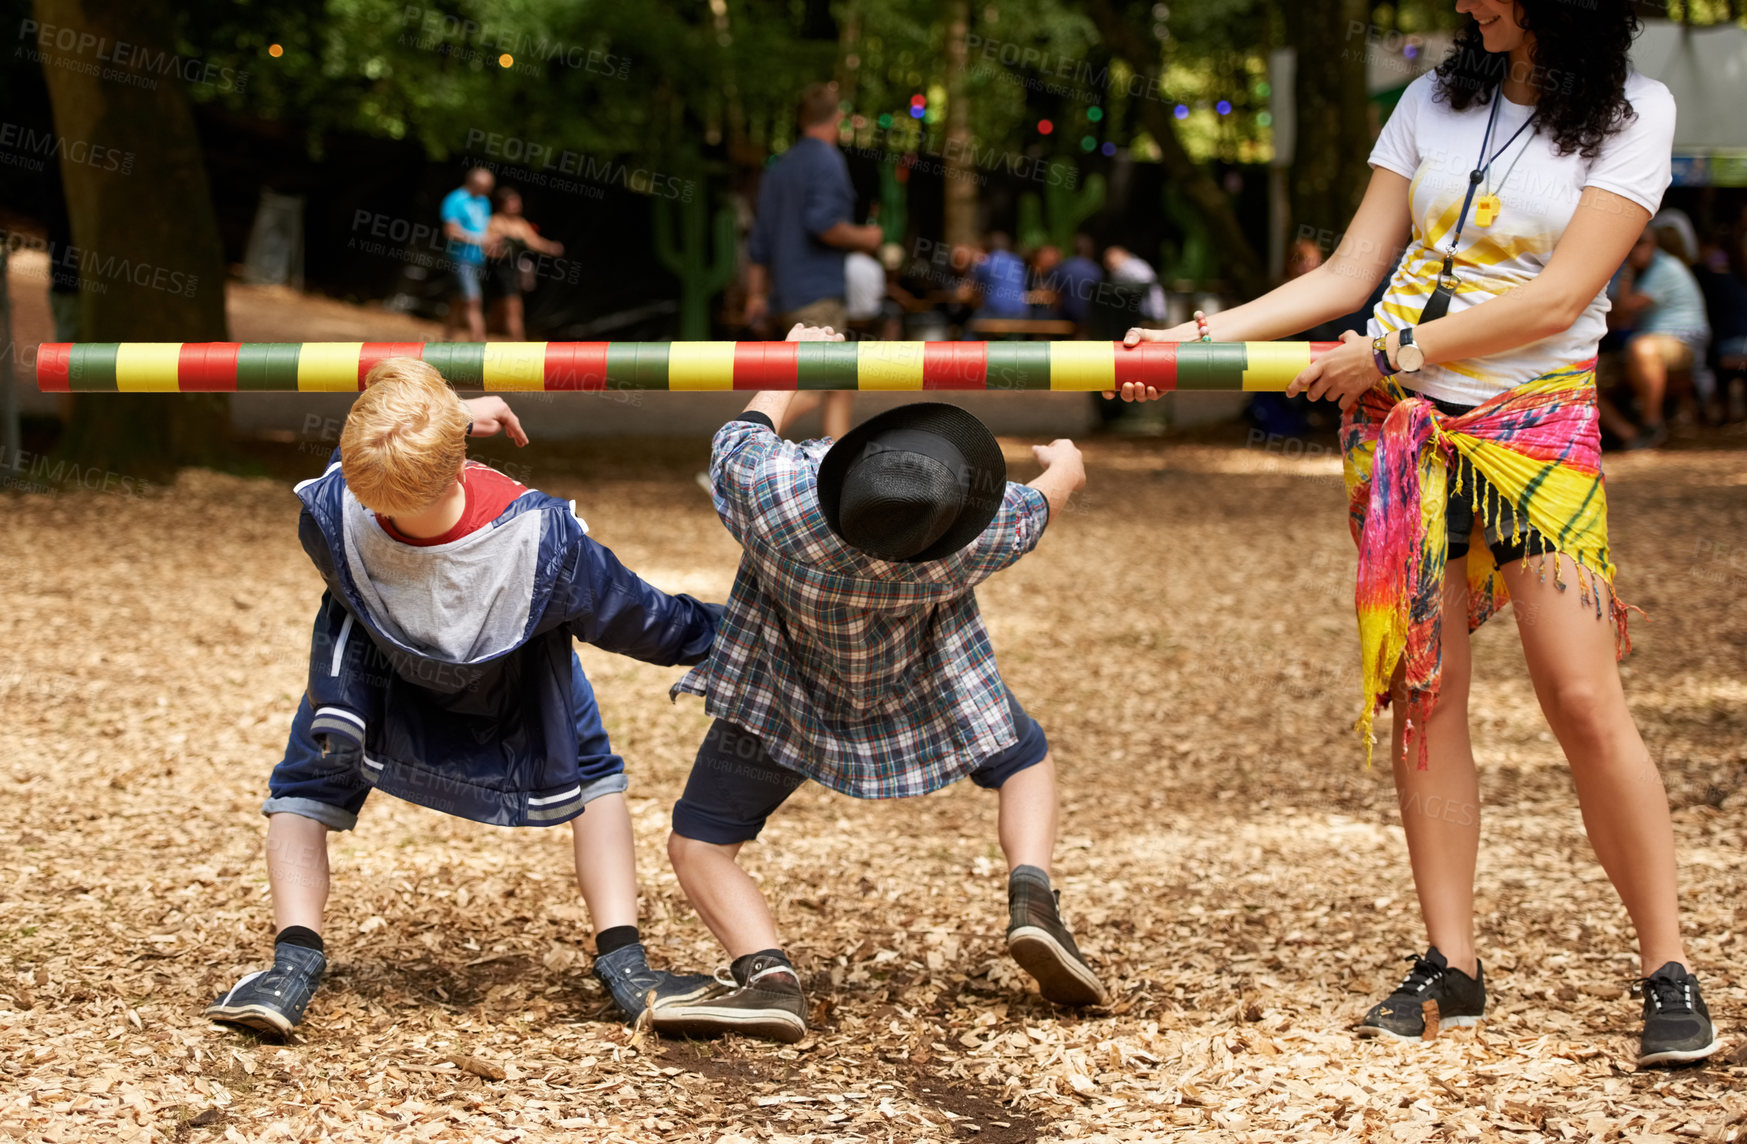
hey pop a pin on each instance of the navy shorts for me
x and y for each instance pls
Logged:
(332, 790)
(735, 785)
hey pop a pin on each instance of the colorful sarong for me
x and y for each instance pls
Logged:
(1538, 447)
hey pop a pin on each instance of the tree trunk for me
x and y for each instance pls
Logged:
(1329, 172)
(145, 236)
(1239, 263)
(961, 183)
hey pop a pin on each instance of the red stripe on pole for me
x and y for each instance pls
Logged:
(54, 367)
(372, 353)
(1317, 349)
(1149, 363)
(955, 365)
(576, 365)
(207, 367)
(766, 365)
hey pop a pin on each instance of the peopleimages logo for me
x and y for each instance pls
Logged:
(435, 30)
(118, 60)
(38, 146)
(97, 270)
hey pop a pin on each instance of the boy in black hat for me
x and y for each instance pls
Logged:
(852, 653)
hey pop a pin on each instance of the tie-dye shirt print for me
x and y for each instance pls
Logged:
(1435, 147)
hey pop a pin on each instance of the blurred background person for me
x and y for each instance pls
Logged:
(1128, 268)
(466, 215)
(510, 271)
(1660, 302)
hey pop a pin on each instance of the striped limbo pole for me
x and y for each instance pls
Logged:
(340, 367)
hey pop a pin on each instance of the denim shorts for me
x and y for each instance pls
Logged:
(467, 279)
(735, 786)
(332, 790)
(1459, 512)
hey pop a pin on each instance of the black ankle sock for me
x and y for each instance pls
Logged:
(615, 938)
(1028, 874)
(743, 965)
(300, 936)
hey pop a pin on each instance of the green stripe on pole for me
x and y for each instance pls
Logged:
(826, 365)
(91, 367)
(637, 365)
(461, 363)
(1211, 365)
(1018, 365)
(267, 366)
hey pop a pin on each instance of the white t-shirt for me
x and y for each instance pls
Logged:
(1435, 147)
(864, 286)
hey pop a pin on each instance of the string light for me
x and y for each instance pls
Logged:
(1044, 127)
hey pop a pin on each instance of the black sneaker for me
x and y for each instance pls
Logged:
(271, 1001)
(634, 986)
(1432, 997)
(1044, 948)
(763, 999)
(1677, 1026)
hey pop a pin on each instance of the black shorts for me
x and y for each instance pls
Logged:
(1459, 512)
(735, 786)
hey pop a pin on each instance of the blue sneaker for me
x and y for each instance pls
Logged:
(271, 1001)
(634, 986)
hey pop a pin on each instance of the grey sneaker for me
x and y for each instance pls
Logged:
(1430, 998)
(271, 1001)
(764, 1000)
(1044, 948)
(1677, 1024)
(634, 986)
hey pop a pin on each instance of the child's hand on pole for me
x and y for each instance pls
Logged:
(805, 333)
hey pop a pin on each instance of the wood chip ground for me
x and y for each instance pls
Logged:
(1186, 638)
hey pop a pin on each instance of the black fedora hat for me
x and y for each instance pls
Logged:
(914, 483)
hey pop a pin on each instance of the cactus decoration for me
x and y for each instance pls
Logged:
(702, 274)
(893, 203)
(1061, 211)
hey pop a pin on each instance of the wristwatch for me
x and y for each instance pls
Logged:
(1409, 357)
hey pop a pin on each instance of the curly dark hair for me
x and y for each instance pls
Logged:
(1580, 65)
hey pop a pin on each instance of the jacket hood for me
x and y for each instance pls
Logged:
(458, 606)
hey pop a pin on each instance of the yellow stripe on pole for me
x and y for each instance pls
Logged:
(328, 367)
(895, 366)
(515, 366)
(1272, 365)
(1082, 366)
(700, 365)
(147, 367)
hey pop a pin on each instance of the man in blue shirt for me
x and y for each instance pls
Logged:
(1076, 280)
(1660, 300)
(803, 229)
(803, 233)
(466, 214)
(999, 279)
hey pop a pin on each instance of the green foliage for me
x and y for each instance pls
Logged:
(1059, 212)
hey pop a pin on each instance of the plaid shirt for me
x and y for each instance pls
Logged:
(872, 677)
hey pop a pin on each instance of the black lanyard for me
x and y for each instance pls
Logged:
(1439, 303)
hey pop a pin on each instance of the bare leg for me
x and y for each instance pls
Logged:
(1440, 806)
(1028, 816)
(606, 862)
(839, 410)
(1570, 653)
(1648, 376)
(297, 870)
(513, 326)
(476, 319)
(724, 895)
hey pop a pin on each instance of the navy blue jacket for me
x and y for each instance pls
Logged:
(492, 739)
